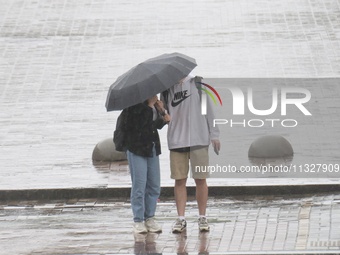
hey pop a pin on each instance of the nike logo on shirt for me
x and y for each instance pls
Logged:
(179, 97)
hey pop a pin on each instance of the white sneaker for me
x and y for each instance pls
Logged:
(139, 228)
(179, 226)
(152, 226)
(203, 224)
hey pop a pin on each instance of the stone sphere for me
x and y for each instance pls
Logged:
(270, 146)
(105, 151)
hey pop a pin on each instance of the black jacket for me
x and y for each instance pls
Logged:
(142, 130)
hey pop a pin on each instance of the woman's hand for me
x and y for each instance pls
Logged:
(160, 107)
(152, 101)
(166, 118)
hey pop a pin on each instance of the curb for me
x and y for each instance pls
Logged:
(124, 192)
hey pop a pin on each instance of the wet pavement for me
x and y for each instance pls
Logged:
(239, 225)
(58, 59)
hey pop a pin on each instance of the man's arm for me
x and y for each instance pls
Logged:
(214, 132)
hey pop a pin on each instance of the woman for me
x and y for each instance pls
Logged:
(143, 148)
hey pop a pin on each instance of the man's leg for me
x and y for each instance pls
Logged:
(199, 158)
(201, 195)
(180, 191)
(179, 164)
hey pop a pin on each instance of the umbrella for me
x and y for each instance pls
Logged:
(148, 79)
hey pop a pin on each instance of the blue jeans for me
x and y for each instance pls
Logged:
(145, 190)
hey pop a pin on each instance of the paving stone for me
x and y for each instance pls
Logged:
(108, 229)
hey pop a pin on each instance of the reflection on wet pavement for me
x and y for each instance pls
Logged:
(238, 224)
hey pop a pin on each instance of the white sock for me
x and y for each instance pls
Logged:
(181, 217)
(202, 216)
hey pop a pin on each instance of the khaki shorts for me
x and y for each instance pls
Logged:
(179, 163)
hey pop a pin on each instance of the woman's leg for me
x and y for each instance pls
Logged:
(138, 170)
(153, 186)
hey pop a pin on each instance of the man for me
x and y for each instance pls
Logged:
(189, 136)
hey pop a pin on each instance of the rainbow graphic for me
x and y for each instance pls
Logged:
(211, 94)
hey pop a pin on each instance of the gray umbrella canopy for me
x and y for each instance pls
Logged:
(147, 79)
